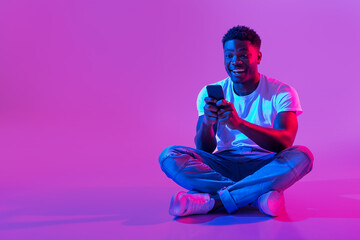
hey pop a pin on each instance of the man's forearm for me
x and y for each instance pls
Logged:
(271, 139)
(205, 138)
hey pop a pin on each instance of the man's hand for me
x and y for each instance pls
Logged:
(210, 111)
(228, 115)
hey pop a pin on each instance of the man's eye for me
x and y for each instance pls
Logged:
(244, 56)
(229, 55)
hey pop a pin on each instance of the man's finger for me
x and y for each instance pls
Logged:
(212, 108)
(210, 100)
(213, 118)
(224, 110)
(222, 103)
(210, 114)
(224, 115)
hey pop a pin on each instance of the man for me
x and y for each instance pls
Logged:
(253, 129)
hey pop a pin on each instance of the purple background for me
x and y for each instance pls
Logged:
(92, 91)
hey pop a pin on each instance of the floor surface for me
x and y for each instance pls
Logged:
(314, 210)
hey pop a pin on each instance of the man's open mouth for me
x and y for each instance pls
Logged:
(238, 71)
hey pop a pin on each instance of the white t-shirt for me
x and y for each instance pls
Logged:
(260, 107)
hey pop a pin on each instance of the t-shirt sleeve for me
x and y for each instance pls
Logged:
(200, 101)
(287, 99)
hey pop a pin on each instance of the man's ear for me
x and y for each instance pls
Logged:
(259, 57)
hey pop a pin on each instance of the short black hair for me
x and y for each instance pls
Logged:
(242, 33)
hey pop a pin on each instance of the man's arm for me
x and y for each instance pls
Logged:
(205, 138)
(275, 139)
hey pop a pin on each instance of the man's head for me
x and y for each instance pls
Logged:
(243, 33)
(241, 53)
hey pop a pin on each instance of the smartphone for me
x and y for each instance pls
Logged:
(215, 91)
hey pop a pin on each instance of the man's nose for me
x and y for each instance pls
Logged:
(237, 61)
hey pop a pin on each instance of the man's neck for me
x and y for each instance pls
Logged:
(243, 89)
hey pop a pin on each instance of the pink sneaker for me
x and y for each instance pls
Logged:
(271, 203)
(183, 204)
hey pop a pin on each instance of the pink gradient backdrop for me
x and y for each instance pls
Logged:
(92, 91)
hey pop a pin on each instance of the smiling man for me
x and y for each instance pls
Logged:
(253, 130)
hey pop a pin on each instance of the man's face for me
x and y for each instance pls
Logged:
(241, 60)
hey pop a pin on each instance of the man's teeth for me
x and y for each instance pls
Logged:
(238, 70)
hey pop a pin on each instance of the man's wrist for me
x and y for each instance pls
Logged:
(208, 124)
(241, 124)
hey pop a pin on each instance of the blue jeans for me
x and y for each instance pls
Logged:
(239, 176)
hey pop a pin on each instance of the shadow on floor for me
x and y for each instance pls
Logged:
(245, 215)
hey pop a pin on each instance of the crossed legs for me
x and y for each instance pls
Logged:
(235, 179)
